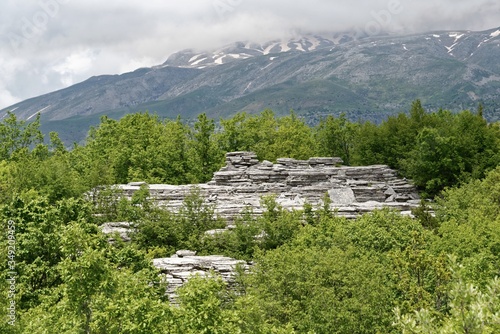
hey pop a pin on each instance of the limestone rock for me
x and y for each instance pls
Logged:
(184, 253)
(215, 232)
(243, 181)
(240, 185)
(122, 228)
(137, 184)
(177, 270)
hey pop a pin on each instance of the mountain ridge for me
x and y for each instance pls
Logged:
(314, 75)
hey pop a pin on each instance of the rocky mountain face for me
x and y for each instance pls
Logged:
(242, 51)
(367, 78)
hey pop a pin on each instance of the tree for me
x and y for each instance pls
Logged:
(207, 155)
(37, 224)
(139, 147)
(469, 224)
(471, 311)
(204, 307)
(322, 290)
(337, 137)
(233, 136)
(293, 139)
(435, 162)
(18, 135)
(268, 136)
(480, 110)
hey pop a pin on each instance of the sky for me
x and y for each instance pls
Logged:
(47, 45)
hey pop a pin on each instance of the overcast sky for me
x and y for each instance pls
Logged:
(50, 44)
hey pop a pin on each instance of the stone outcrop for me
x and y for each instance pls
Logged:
(122, 228)
(184, 264)
(244, 180)
(178, 268)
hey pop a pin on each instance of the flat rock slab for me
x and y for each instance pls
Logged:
(178, 270)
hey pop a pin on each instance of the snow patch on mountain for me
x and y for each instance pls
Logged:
(246, 50)
(192, 59)
(457, 36)
(454, 42)
(315, 43)
(38, 112)
(268, 49)
(198, 61)
(285, 47)
(299, 47)
(220, 60)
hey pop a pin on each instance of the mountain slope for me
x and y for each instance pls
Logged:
(367, 78)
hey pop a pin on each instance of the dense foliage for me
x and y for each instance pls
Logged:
(313, 271)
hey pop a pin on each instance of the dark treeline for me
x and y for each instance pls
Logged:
(313, 272)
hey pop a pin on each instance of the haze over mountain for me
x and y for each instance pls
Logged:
(368, 77)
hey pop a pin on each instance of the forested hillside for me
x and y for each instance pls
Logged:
(313, 272)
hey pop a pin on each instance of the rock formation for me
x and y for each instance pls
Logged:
(244, 180)
(122, 228)
(182, 265)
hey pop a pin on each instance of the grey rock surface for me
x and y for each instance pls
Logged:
(178, 270)
(185, 253)
(244, 180)
(122, 228)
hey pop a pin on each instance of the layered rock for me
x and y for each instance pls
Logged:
(122, 229)
(184, 264)
(244, 180)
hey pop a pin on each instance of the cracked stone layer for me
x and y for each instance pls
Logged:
(244, 180)
(177, 270)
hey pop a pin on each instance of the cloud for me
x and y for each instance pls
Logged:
(49, 44)
(6, 97)
(75, 64)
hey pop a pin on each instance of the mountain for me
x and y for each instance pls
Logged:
(367, 78)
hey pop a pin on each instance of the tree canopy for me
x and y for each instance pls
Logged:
(312, 271)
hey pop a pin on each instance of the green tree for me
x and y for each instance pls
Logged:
(37, 223)
(204, 308)
(98, 295)
(139, 147)
(293, 139)
(337, 137)
(233, 136)
(471, 311)
(469, 224)
(208, 157)
(322, 290)
(435, 162)
(18, 135)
